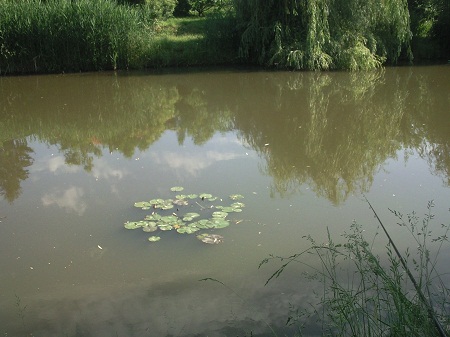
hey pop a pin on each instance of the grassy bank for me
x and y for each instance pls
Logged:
(83, 35)
(192, 42)
(38, 36)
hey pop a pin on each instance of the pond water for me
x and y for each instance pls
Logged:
(302, 148)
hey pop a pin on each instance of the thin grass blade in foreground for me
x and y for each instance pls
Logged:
(364, 295)
(431, 313)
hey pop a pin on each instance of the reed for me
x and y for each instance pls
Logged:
(62, 35)
(51, 36)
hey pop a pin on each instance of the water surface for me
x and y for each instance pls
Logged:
(76, 152)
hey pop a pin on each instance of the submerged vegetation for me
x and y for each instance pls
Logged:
(169, 214)
(66, 36)
(362, 294)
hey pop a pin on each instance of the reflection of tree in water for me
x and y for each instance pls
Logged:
(14, 157)
(331, 131)
(196, 118)
(426, 127)
(331, 134)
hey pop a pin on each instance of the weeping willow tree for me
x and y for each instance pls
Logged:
(323, 34)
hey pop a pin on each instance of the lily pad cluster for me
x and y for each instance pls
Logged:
(187, 214)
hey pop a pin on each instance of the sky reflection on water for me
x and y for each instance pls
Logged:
(78, 150)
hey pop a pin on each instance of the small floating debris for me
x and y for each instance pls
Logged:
(154, 238)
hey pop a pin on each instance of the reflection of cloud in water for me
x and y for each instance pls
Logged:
(180, 308)
(55, 164)
(70, 200)
(103, 170)
(193, 163)
(59, 163)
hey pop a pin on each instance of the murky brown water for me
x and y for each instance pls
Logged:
(76, 152)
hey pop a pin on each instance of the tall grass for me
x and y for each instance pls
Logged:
(64, 35)
(363, 295)
(82, 35)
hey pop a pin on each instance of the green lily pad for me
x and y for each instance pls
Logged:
(186, 223)
(187, 230)
(236, 196)
(134, 224)
(190, 216)
(156, 201)
(165, 227)
(222, 215)
(210, 238)
(153, 217)
(169, 219)
(219, 223)
(150, 227)
(202, 224)
(198, 225)
(154, 238)
(142, 204)
(177, 189)
(166, 206)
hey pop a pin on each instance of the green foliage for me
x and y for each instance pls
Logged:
(200, 7)
(364, 296)
(158, 9)
(64, 36)
(161, 9)
(430, 24)
(323, 34)
(182, 8)
(59, 35)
